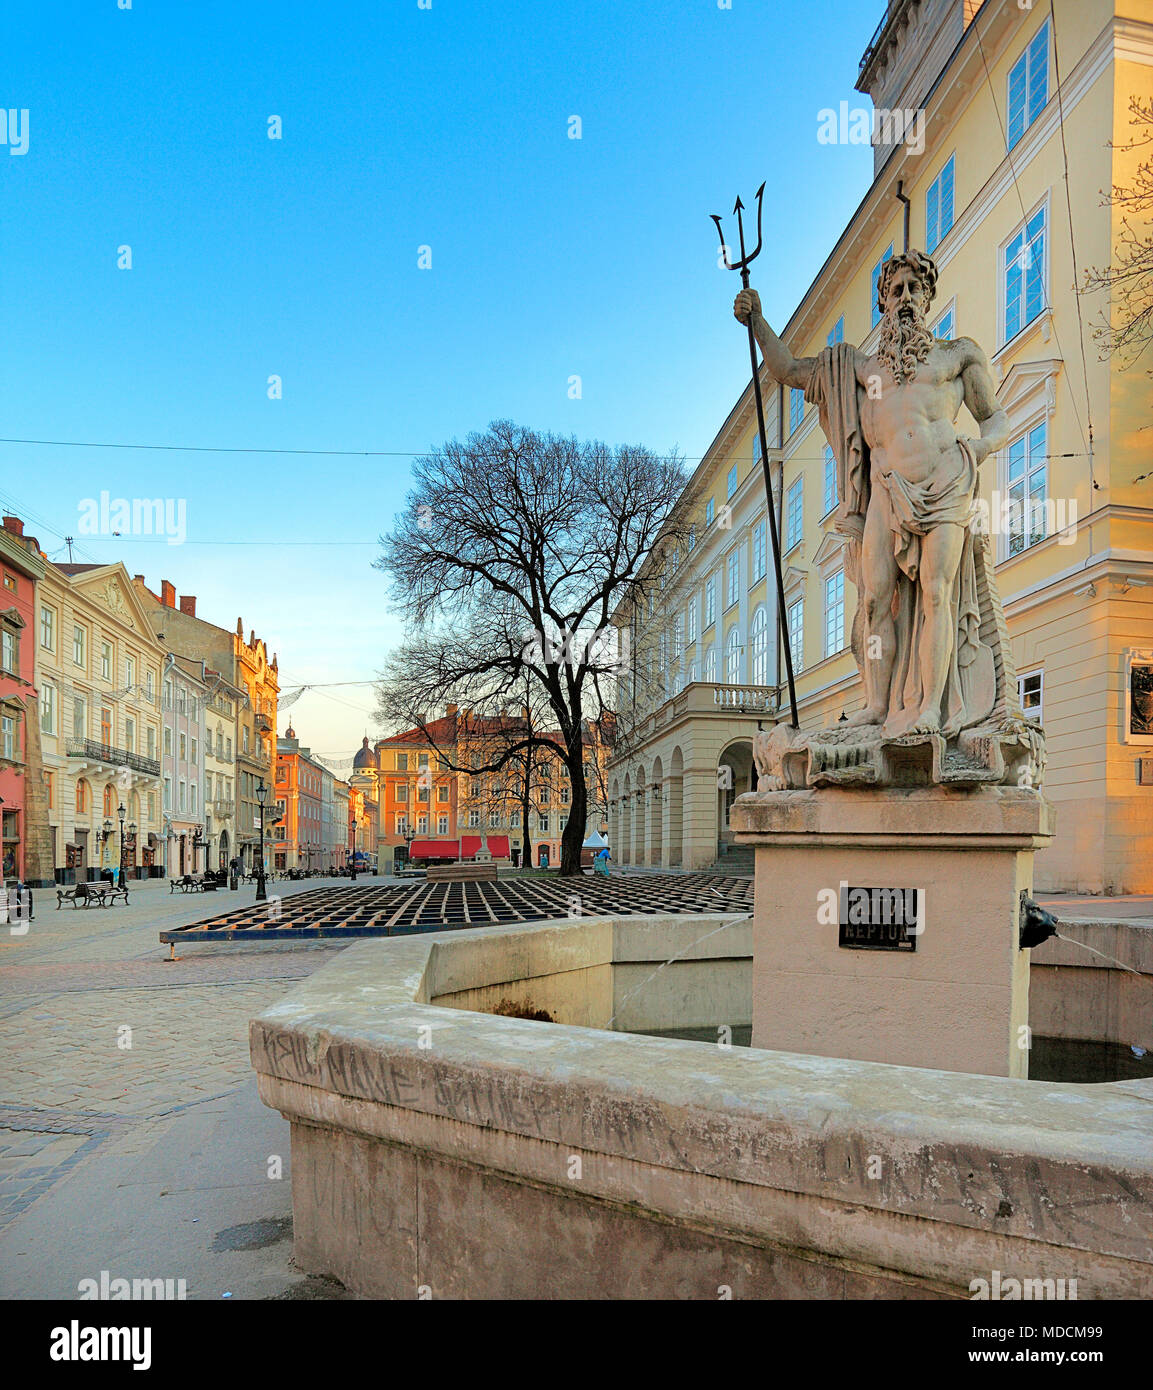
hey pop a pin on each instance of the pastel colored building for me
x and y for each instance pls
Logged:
(184, 700)
(1006, 98)
(23, 799)
(297, 830)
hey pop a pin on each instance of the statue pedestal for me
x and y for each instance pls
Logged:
(936, 980)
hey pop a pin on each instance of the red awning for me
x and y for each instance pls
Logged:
(497, 846)
(434, 849)
(465, 848)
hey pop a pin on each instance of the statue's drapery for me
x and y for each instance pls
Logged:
(911, 511)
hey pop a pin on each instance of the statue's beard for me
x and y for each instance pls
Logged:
(905, 341)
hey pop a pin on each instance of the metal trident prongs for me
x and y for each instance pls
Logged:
(743, 266)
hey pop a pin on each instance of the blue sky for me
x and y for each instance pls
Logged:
(402, 128)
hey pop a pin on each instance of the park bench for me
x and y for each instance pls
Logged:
(88, 893)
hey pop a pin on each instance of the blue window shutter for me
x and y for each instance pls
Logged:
(1038, 72)
(946, 181)
(1017, 101)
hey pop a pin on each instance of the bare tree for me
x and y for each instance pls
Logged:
(514, 551)
(1128, 329)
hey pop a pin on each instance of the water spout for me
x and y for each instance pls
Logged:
(680, 956)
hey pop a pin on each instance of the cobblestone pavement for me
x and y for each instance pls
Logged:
(108, 1050)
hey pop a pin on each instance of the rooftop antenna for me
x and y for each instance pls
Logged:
(68, 543)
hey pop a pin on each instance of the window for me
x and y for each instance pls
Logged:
(542, 824)
(796, 407)
(837, 332)
(797, 634)
(794, 512)
(106, 661)
(1030, 691)
(167, 694)
(691, 621)
(422, 760)
(422, 793)
(82, 796)
(733, 592)
(514, 820)
(151, 741)
(7, 737)
(168, 743)
(183, 795)
(422, 823)
(473, 820)
(875, 282)
(544, 796)
(48, 709)
(401, 824)
(245, 739)
(1024, 274)
(732, 481)
(945, 328)
(78, 646)
(1027, 481)
(692, 536)
(192, 797)
(442, 825)
(195, 748)
(759, 648)
(442, 793)
(564, 796)
(733, 652)
(48, 629)
(130, 670)
(227, 750)
(710, 669)
(9, 651)
(183, 747)
(830, 481)
(1029, 85)
(109, 803)
(710, 511)
(10, 582)
(168, 793)
(834, 612)
(939, 208)
(402, 762)
(106, 727)
(149, 686)
(130, 735)
(710, 600)
(493, 820)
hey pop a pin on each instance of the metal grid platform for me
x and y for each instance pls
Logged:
(402, 909)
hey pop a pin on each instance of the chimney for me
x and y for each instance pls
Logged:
(168, 593)
(188, 604)
(14, 524)
(450, 710)
(140, 577)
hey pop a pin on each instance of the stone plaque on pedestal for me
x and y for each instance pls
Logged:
(887, 923)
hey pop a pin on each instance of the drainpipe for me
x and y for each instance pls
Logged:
(908, 206)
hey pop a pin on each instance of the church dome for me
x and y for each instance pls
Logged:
(364, 758)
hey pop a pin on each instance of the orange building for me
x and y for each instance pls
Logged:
(428, 811)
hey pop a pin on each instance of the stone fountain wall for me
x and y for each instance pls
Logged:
(447, 1153)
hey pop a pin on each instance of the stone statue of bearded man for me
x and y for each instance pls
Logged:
(929, 635)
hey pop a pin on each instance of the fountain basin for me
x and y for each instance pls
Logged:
(443, 1152)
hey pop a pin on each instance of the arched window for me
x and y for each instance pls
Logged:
(81, 796)
(710, 673)
(759, 648)
(733, 657)
(109, 800)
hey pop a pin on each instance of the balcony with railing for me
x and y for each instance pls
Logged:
(104, 755)
(221, 807)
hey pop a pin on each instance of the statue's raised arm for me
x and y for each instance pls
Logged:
(782, 365)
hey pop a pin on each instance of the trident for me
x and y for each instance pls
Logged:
(743, 266)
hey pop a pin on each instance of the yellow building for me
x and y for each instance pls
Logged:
(998, 101)
(98, 675)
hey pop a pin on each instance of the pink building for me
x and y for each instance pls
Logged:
(21, 787)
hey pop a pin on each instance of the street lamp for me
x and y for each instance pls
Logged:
(261, 797)
(352, 823)
(132, 834)
(120, 881)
